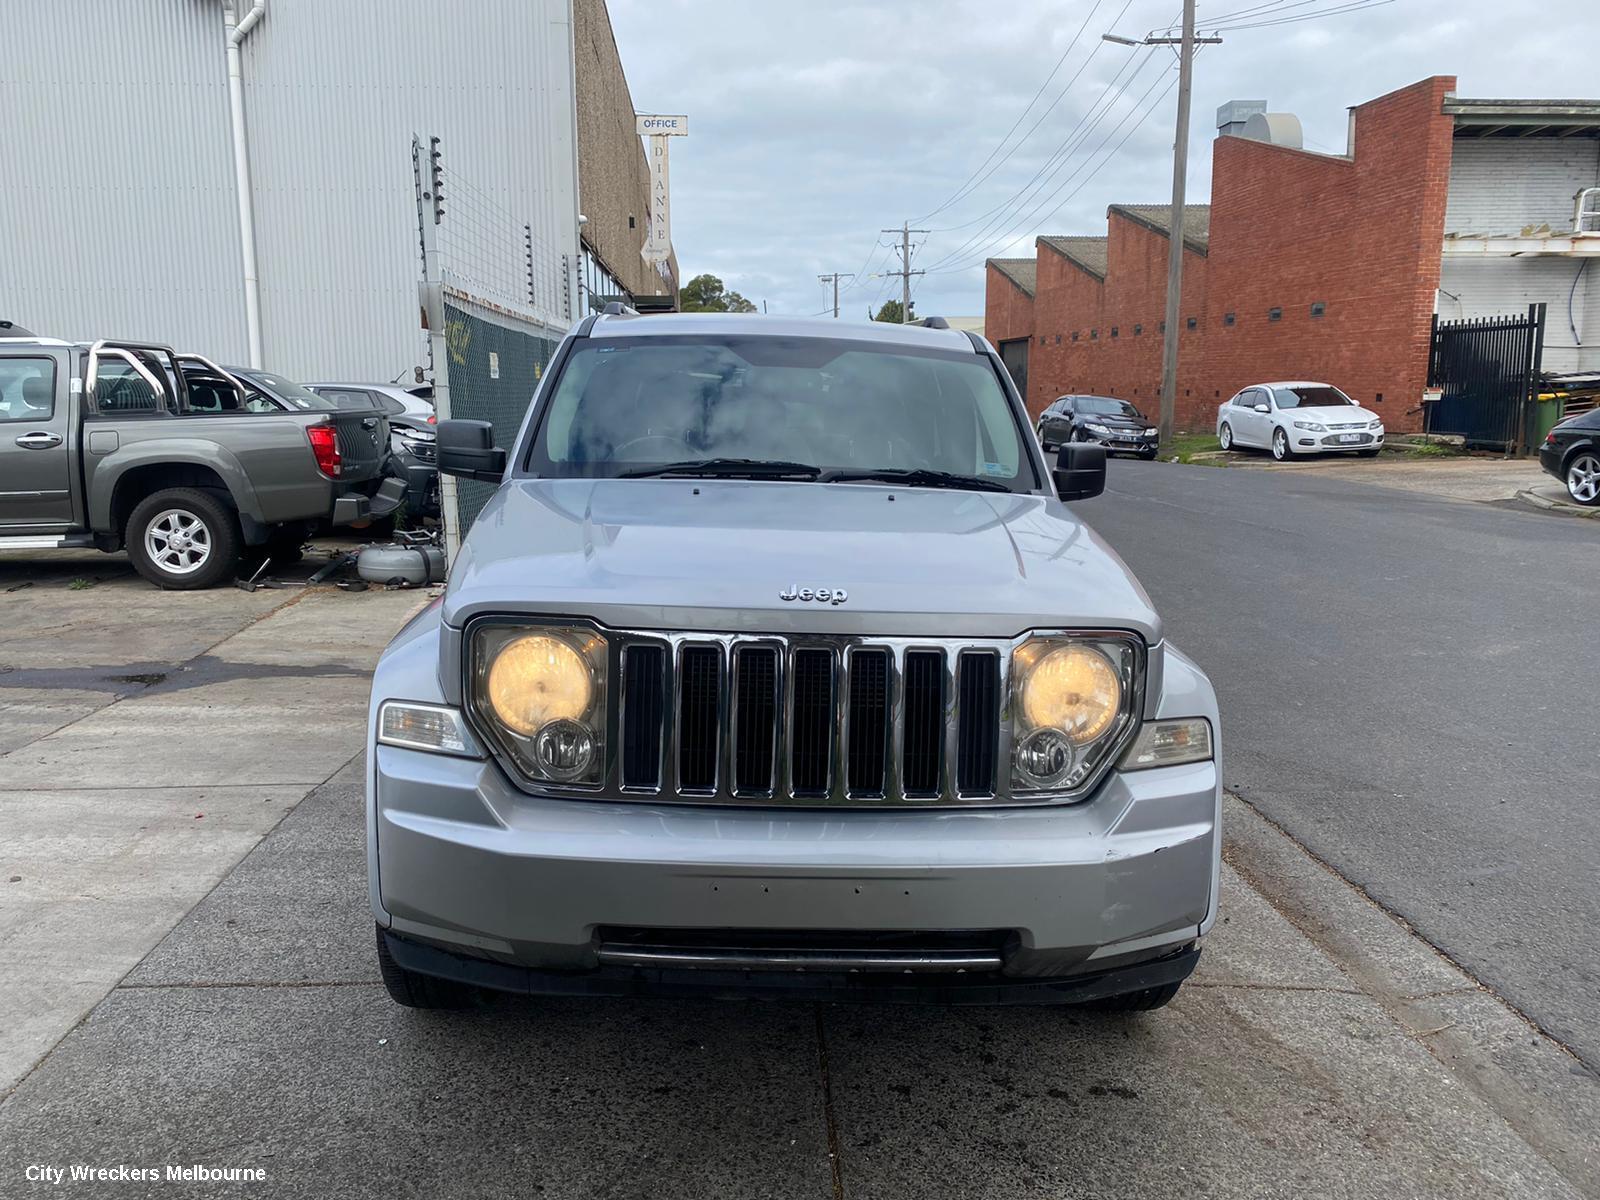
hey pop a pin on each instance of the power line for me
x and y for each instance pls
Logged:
(834, 279)
(1339, 10)
(972, 181)
(987, 235)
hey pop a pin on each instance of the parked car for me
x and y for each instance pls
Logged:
(778, 662)
(1571, 452)
(411, 423)
(106, 446)
(1298, 418)
(1115, 424)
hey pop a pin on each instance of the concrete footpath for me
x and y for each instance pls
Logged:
(1321, 1050)
(148, 740)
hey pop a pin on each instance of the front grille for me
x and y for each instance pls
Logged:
(815, 720)
(1335, 439)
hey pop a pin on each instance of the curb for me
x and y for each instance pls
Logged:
(1528, 496)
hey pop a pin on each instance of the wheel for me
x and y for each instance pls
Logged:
(182, 539)
(414, 990)
(1583, 478)
(1280, 444)
(1143, 1000)
(1225, 436)
(1044, 443)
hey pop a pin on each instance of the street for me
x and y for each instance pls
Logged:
(1408, 686)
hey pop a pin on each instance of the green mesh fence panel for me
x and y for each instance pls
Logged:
(495, 365)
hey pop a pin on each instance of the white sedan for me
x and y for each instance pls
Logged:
(1298, 418)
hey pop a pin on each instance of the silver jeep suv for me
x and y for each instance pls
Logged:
(778, 664)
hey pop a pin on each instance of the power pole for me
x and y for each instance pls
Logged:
(905, 272)
(834, 279)
(1180, 162)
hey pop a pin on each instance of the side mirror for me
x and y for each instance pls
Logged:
(1263, 408)
(467, 449)
(1080, 470)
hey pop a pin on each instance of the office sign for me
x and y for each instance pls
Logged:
(658, 125)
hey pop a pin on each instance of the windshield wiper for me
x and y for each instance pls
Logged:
(917, 477)
(728, 468)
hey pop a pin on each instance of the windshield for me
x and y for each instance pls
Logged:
(818, 406)
(1311, 395)
(1105, 406)
(289, 392)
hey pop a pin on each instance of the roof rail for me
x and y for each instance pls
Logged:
(933, 323)
(616, 308)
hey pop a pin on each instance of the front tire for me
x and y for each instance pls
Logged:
(411, 989)
(1582, 477)
(183, 539)
(1225, 436)
(1044, 442)
(1280, 445)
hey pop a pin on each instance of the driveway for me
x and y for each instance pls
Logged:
(148, 740)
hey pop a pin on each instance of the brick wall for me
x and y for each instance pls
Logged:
(1360, 235)
(1117, 322)
(1007, 309)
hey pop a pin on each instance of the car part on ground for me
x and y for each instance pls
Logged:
(621, 755)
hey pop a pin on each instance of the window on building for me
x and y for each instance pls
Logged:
(1074, 335)
(1137, 330)
(1274, 314)
(1318, 307)
(1193, 322)
(1114, 331)
(1094, 335)
(600, 286)
(1228, 319)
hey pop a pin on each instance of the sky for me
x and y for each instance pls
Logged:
(815, 125)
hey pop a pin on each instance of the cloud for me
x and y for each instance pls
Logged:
(815, 125)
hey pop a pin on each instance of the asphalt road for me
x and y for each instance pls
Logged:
(1409, 687)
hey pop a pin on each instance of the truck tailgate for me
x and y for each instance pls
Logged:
(363, 441)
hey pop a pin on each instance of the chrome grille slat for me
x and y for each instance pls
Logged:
(812, 730)
(922, 763)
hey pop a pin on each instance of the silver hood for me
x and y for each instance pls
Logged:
(716, 554)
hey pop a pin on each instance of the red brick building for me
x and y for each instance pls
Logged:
(1312, 266)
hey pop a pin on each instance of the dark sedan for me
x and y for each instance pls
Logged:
(1115, 424)
(1571, 452)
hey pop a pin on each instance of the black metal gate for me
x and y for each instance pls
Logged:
(1486, 368)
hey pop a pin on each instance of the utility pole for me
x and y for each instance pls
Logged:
(1180, 163)
(905, 272)
(834, 279)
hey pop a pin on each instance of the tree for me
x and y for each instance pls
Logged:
(705, 293)
(890, 312)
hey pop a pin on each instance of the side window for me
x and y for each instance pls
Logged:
(1242, 399)
(391, 406)
(255, 402)
(348, 398)
(27, 389)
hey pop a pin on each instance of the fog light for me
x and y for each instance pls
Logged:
(1045, 757)
(564, 749)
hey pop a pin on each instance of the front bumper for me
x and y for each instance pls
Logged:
(718, 985)
(464, 863)
(1331, 443)
(1117, 443)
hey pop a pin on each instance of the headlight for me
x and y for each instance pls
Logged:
(1098, 429)
(1314, 426)
(541, 692)
(1074, 701)
(1151, 432)
(1375, 425)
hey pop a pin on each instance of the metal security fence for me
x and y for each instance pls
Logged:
(496, 299)
(1486, 368)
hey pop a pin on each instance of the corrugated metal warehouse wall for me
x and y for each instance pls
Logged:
(123, 220)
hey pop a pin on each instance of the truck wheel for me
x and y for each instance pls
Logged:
(1141, 1001)
(182, 539)
(415, 990)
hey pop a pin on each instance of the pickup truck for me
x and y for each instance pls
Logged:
(117, 445)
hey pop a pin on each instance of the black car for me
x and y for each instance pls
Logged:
(1115, 424)
(1571, 452)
